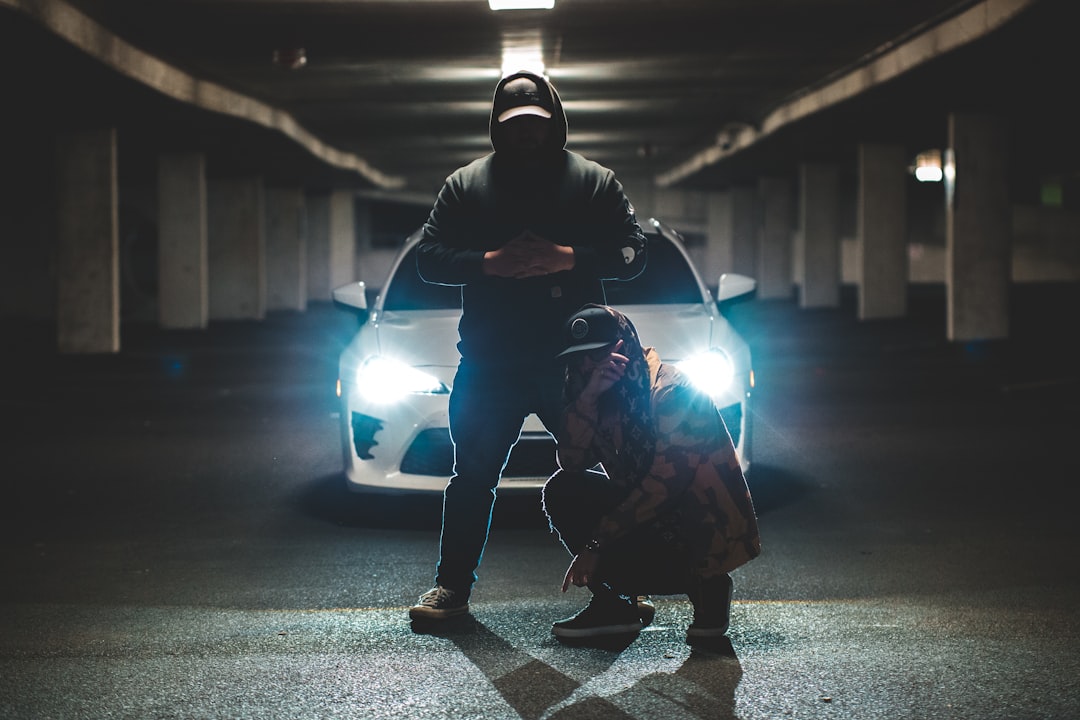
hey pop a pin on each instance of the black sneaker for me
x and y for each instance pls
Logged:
(602, 616)
(439, 603)
(645, 608)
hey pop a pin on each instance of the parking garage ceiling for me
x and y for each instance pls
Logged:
(395, 94)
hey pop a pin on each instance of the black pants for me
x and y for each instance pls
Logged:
(647, 561)
(488, 406)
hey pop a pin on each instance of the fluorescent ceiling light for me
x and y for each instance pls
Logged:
(521, 4)
(513, 62)
(522, 51)
(928, 174)
(928, 167)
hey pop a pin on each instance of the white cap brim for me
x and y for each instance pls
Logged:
(524, 110)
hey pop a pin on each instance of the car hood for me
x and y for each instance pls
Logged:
(429, 337)
(420, 337)
(676, 331)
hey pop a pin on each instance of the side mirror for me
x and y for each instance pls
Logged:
(733, 285)
(353, 297)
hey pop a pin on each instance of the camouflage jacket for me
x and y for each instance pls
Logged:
(695, 482)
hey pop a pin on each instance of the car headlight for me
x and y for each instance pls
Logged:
(383, 380)
(711, 372)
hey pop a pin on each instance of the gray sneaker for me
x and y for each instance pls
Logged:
(439, 603)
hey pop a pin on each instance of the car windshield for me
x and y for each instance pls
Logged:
(407, 291)
(666, 280)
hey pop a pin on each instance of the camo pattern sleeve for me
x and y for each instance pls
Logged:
(586, 439)
(695, 482)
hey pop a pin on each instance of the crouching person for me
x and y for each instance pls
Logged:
(670, 513)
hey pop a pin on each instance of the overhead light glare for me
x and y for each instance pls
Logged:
(292, 58)
(521, 4)
(928, 174)
(927, 167)
(523, 51)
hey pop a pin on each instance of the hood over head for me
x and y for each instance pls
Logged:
(526, 93)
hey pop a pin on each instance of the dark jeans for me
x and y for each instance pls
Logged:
(487, 408)
(648, 561)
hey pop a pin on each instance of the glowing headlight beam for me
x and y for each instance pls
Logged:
(384, 380)
(711, 372)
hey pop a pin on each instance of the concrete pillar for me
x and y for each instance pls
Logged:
(978, 229)
(364, 255)
(774, 257)
(342, 239)
(286, 250)
(87, 243)
(237, 249)
(882, 231)
(819, 249)
(719, 237)
(183, 265)
(744, 228)
(318, 248)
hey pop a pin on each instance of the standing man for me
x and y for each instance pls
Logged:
(528, 232)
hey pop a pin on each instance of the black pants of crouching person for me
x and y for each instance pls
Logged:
(651, 560)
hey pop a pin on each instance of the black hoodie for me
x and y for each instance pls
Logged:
(564, 198)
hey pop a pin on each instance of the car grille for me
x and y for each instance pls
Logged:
(432, 453)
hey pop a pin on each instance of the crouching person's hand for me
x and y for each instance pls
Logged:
(581, 570)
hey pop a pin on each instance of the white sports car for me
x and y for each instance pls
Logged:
(396, 373)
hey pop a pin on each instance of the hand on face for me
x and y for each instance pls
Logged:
(603, 367)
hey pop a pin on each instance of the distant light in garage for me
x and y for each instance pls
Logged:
(521, 4)
(927, 167)
(928, 174)
(949, 171)
(1052, 192)
(291, 58)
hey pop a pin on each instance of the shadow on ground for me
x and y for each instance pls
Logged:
(704, 682)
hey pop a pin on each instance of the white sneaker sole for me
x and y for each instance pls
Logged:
(594, 631)
(705, 633)
(425, 613)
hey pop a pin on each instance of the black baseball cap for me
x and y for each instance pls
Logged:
(522, 96)
(589, 329)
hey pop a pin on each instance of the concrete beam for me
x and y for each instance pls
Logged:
(103, 45)
(887, 63)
